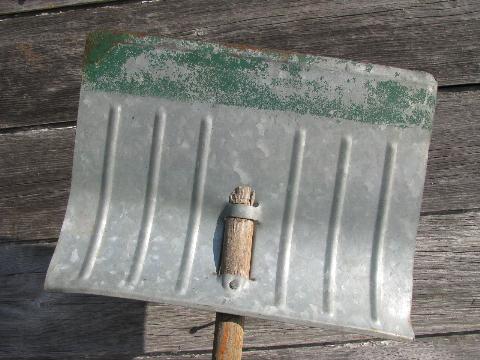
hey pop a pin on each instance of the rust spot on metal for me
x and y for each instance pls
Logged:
(108, 41)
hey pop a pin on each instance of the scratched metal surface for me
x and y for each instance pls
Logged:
(339, 187)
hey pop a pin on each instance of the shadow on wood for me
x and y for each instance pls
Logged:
(68, 323)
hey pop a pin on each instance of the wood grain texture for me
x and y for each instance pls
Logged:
(453, 169)
(236, 260)
(238, 237)
(41, 56)
(36, 169)
(445, 300)
(237, 245)
(20, 6)
(228, 337)
(40, 61)
(455, 347)
(452, 347)
(35, 172)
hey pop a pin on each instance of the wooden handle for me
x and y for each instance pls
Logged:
(236, 258)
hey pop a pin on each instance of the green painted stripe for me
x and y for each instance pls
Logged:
(209, 73)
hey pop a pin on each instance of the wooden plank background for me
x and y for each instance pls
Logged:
(41, 47)
(21, 6)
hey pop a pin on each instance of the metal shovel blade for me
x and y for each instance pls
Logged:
(336, 151)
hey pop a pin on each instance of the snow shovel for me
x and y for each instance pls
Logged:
(335, 151)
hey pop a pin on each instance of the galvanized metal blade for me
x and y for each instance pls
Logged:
(336, 151)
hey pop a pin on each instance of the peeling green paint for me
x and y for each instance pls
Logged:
(201, 72)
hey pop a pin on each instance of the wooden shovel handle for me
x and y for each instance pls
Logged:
(236, 259)
(228, 338)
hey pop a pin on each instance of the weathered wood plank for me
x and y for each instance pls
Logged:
(35, 172)
(36, 166)
(455, 347)
(453, 170)
(20, 6)
(449, 347)
(446, 299)
(43, 53)
(445, 282)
